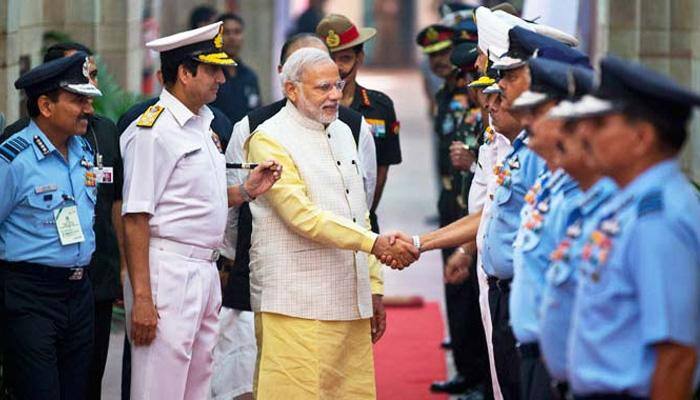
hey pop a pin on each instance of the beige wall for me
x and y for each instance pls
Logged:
(664, 35)
(111, 28)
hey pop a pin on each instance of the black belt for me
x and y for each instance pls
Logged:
(529, 350)
(45, 271)
(609, 396)
(502, 284)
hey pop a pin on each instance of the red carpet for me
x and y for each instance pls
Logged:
(408, 358)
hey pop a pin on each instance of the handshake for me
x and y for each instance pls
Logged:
(396, 250)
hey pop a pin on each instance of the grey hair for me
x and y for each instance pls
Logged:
(299, 61)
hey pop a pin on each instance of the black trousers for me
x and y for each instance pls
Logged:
(103, 325)
(48, 335)
(466, 331)
(535, 382)
(126, 370)
(504, 351)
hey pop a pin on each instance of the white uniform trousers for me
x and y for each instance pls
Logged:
(187, 295)
(235, 355)
(488, 326)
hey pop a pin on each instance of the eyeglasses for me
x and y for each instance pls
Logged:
(326, 87)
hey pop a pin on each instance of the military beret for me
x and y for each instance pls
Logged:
(69, 73)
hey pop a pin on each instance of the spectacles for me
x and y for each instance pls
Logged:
(326, 87)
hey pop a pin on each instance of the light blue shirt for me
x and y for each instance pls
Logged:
(518, 173)
(37, 181)
(639, 284)
(560, 278)
(542, 222)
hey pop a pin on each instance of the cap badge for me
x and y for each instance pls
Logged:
(332, 40)
(86, 68)
(431, 34)
(219, 38)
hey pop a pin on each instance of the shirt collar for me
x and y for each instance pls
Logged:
(40, 142)
(600, 192)
(43, 147)
(301, 119)
(181, 113)
(652, 177)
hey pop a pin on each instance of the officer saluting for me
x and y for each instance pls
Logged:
(46, 236)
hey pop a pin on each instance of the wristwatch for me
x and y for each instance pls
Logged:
(244, 193)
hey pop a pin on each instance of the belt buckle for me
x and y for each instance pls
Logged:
(215, 255)
(76, 274)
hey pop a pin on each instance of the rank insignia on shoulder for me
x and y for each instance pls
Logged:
(396, 127)
(365, 98)
(148, 118)
(41, 145)
(12, 147)
(651, 202)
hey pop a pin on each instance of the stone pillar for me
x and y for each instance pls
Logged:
(81, 20)
(618, 28)
(264, 34)
(689, 18)
(119, 46)
(654, 35)
(9, 51)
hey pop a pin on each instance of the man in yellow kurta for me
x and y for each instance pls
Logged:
(312, 275)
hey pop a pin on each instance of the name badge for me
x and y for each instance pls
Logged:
(68, 225)
(104, 175)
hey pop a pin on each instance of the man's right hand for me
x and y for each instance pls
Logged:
(144, 319)
(457, 267)
(395, 251)
(461, 156)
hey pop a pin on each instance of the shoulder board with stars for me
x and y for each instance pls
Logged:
(650, 203)
(149, 117)
(365, 97)
(12, 147)
(41, 145)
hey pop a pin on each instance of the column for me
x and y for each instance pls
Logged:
(264, 33)
(9, 51)
(119, 46)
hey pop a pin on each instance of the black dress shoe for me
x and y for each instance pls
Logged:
(446, 344)
(456, 385)
(475, 393)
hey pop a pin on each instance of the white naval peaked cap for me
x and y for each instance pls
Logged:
(493, 27)
(544, 30)
(182, 39)
(203, 44)
(493, 30)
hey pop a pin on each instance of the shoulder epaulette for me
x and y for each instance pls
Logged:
(650, 203)
(365, 97)
(12, 147)
(381, 97)
(149, 117)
